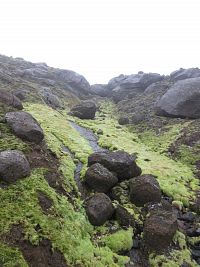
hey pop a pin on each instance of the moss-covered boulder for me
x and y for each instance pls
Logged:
(13, 166)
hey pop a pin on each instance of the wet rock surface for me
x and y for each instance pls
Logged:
(13, 166)
(120, 162)
(84, 110)
(144, 189)
(99, 209)
(25, 126)
(99, 178)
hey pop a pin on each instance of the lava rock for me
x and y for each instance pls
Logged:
(25, 126)
(124, 217)
(99, 209)
(20, 93)
(182, 100)
(144, 189)
(159, 229)
(13, 166)
(10, 100)
(120, 162)
(84, 110)
(123, 120)
(99, 178)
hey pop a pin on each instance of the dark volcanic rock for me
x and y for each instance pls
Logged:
(99, 178)
(159, 229)
(99, 209)
(50, 99)
(84, 110)
(120, 162)
(25, 126)
(13, 166)
(123, 120)
(181, 100)
(20, 93)
(10, 100)
(74, 79)
(100, 89)
(124, 217)
(144, 189)
(141, 80)
(185, 74)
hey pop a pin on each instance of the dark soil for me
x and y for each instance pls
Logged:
(41, 255)
(45, 202)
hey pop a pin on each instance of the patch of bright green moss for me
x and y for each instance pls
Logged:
(58, 133)
(175, 178)
(176, 257)
(10, 257)
(160, 142)
(119, 241)
(69, 230)
(189, 155)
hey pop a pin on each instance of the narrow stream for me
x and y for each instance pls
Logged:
(136, 259)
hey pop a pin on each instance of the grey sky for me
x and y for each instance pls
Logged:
(103, 38)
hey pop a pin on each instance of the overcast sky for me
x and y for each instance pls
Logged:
(103, 38)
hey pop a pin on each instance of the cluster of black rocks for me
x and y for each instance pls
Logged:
(106, 170)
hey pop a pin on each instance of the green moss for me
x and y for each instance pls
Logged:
(10, 257)
(58, 134)
(188, 155)
(175, 178)
(176, 257)
(119, 241)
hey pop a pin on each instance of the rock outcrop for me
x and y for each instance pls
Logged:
(99, 209)
(144, 189)
(13, 166)
(84, 110)
(100, 89)
(99, 178)
(120, 162)
(181, 100)
(182, 74)
(25, 126)
(10, 100)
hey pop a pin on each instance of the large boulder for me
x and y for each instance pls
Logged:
(84, 110)
(120, 162)
(99, 209)
(144, 189)
(10, 100)
(159, 229)
(99, 178)
(140, 80)
(182, 74)
(181, 100)
(73, 79)
(25, 126)
(100, 89)
(50, 99)
(13, 166)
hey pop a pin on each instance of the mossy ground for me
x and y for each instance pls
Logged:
(66, 224)
(175, 178)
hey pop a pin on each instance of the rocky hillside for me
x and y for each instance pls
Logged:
(100, 175)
